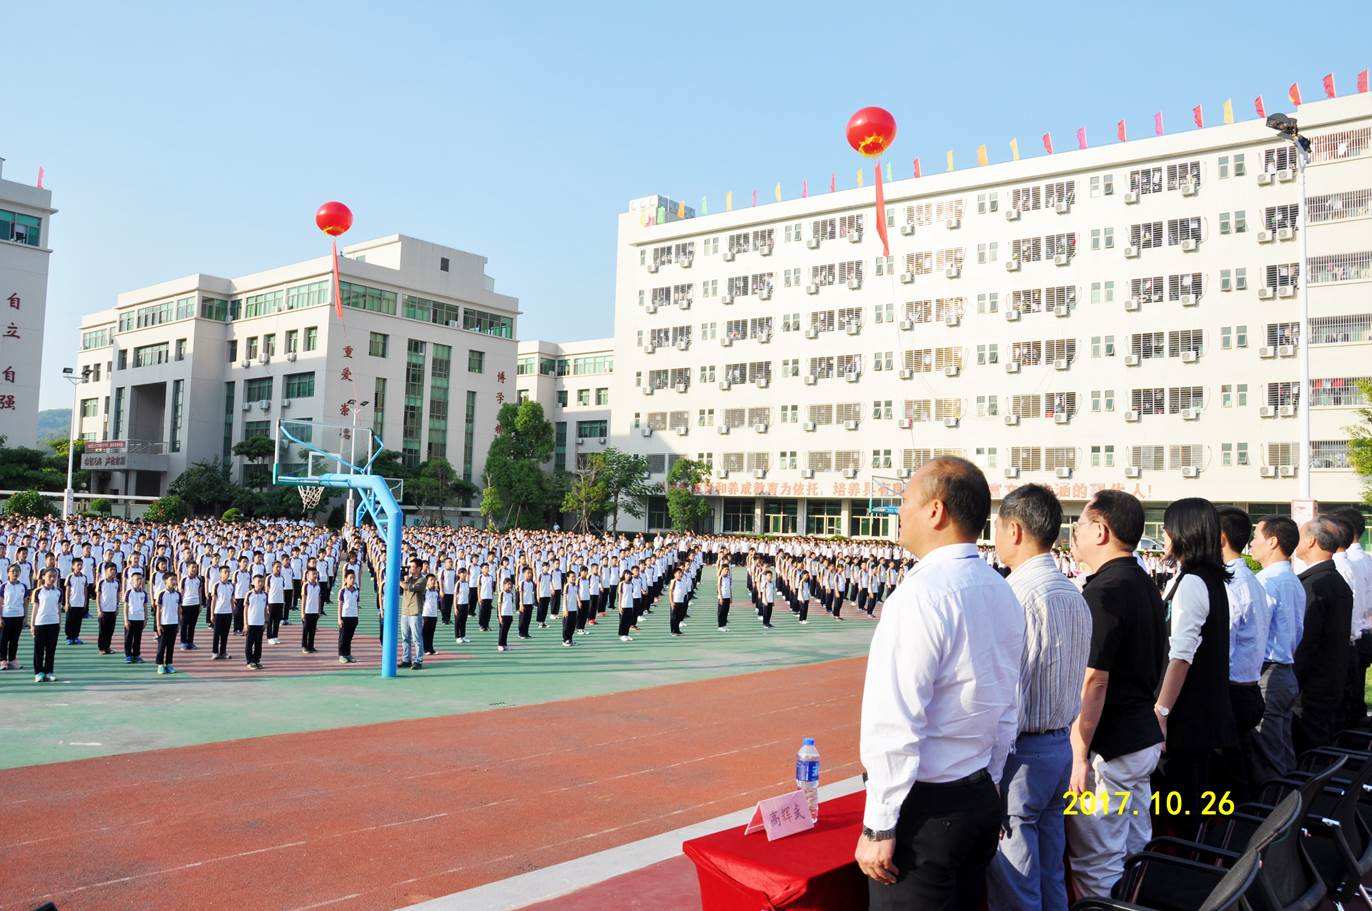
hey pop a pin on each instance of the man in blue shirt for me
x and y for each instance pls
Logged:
(1250, 615)
(1274, 540)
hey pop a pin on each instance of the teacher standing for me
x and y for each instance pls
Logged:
(940, 705)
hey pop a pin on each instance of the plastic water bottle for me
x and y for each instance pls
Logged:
(807, 774)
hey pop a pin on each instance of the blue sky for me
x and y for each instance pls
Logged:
(178, 139)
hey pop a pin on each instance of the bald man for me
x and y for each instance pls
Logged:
(1323, 653)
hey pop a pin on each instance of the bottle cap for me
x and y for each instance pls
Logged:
(808, 742)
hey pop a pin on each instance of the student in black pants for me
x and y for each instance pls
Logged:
(255, 616)
(429, 614)
(347, 617)
(462, 606)
(14, 595)
(569, 610)
(77, 591)
(136, 604)
(726, 592)
(44, 622)
(222, 612)
(803, 597)
(527, 597)
(507, 612)
(311, 603)
(107, 603)
(626, 609)
(168, 622)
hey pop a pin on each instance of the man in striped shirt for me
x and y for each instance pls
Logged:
(1028, 870)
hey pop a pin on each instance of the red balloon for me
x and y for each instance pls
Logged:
(871, 131)
(334, 218)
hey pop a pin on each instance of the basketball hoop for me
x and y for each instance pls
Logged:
(309, 497)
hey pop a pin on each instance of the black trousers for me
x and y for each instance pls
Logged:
(506, 621)
(460, 622)
(133, 639)
(584, 614)
(445, 607)
(946, 836)
(722, 614)
(804, 609)
(483, 618)
(166, 642)
(74, 617)
(1236, 771)
(44, 647)
(307, 631)
(252, 647)
(104, 636)
(557, 602)
(1359, 659)
(275, 614)
(625, 622)
(543, 609)
(238, 615)
(427, 625)
(347, 626)
(526, 616)
(11, 628)
(568, 625)
(1189, 772)
(1316, 722)
(674, 618)
(220, 644)
(190, 616)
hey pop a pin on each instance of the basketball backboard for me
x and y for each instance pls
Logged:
(885, 495)
(306, 449)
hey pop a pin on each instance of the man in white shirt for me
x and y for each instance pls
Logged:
(1274, 540)
(940, 704)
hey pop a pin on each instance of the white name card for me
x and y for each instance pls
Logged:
(781, 816)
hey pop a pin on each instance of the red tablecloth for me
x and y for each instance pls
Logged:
(812, 871)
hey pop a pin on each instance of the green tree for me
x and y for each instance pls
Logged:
(519, 492)
(626, 484)
(685, 507)
(1360, 441)
(587, 497)
(170, 508)
(22, 468)
(100, 507)
(204, 486)
(437, 484)
(256, 450)
(29, 504)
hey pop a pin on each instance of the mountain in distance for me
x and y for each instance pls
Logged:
(53, 422)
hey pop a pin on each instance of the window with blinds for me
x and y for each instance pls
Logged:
(822, 367)
(1055, 457)
(1145, 180)
(1146, 345)
(1148, 401)
(1183, 229)
(1342, 145)
(1181, 172)
(1338, 206)
(1027, 300)
(1285, 216)
(1279, 394)
(917, 409)
(819, 460)
(1148, 289)
(759, 461)
(1055, 403)
(1288, 333)
(1146, 235)
(1280, 158)
(921, 311)
(1029, 354)
(1183, 283)
(848, 411)
(844, 459)
(947, 408)
(1180, 398)
(732, 461)
(822, 275)
(1025, 406)
(1187, 455)
(1285, 275)
(920, 360)
(824, 228)
(1060, 349)
(757, 416)
(1027, 249)
(1148, 458)
(735, 417)
(1180, 341)
(1026, 458)
(1334, 330)
(821, 415)
(1341, 267)
(1282, 455)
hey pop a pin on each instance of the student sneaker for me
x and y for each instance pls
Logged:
(418, 666)
(407, 664)
(128, 659)
(522, 636)
(304, 651)
(625, 639)
(50, 678)
(342, 660)
(543, 626)
(500, 648)
(804, 622)
(38, 678)
(723, 629)
(161, 670)
(567, 644)
(170, 669)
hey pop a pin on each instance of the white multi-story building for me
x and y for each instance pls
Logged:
(178, 373)
(25, 245)
(571, 380)
(1123, 316)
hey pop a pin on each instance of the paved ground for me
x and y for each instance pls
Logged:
(101, 706)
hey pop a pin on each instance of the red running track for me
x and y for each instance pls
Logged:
(385, 815)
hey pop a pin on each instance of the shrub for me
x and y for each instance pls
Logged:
(170, 508)
(30, 504)
(233, 514)
(100, 507)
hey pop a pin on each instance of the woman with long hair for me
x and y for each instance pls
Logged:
(1193, 706)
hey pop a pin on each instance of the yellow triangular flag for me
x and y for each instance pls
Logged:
(778, 191)
(1014, 149)
(859, 176)
(981, 156)
(729, 201)
(889, 178)
(681, 210)
(1228, 110)
(950, 159)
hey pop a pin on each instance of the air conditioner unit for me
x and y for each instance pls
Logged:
(952, 271)
(1190, 414)
(684, 303)
(907, 373)
(1062, 311)
(1190, 245)
(285, 403)
(723, 430)
(1062, 259)
(1012, 472)
(1131, 416)
(1267, 471)
(1267, 352)
(681, 431)
(726, 385)
(850, 425)
(650, 348)
(682, 386)
(601, 441)
(850, 473)
(727, 256)
(1131, 199)
(952, 319)
(953, 223)
(1287, 471)
(1286, 350)
(951, 422)
(1286, 175)
(1190, 471)
(1286, 291)
(1062, 417)
(651, 308)
(1131, 252)
(855, 237)
(454, 324)
(906, 423)
(952, 370)
(759, 473)
(764, 294)
(853, 377)
(1189, 187)
(726, 341)
(760, 427)
(1189, 300)
(722, 473)
(291, 356)
(1062, 363)
(687, 262)
(1133, 305)
(1190, 357)
(1012, 315)
(1287, 411)
(247, 406)
(1133, 473)
(1266, 293)
(1063, 472)
(854, 284)
(763, 382)
(812, 332)
(1012, 366)
(1264, 178)
(652, 267)
(1012, 265)
(1012, 214)
(765, 249)
(247, 362)
(811, 379)
(726, 299)
(907, 278)
(1131, 360)
(907, 230)
(813, 243)
(854, 329)
(1264, 237)
(812, 288)
(808, 426)
(1012, 420)
(905, 473)
(682, 344)
(264, 405)
(1064, 207)
(807, 473)
(1286, 234)
(1267, 411)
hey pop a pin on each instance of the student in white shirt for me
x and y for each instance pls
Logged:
(192, 598)
(311, 605)
(571, 598)
(276, 585)
(222, 611)
(348, 599)
(507, 611)
(462, 604)
(168, 622)
(43, 624)
(952, 636)
(77, 589)
(107, 592)
(255, 618)
(136, 604)
(429, 613)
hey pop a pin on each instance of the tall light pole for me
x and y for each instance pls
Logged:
(354, 406)
(1287, 127)
(70, 375)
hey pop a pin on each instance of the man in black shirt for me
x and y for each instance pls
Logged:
(1116, 739)
(1322, 656)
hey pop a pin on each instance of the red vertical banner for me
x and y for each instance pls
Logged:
(833, 182)
(1081, 137)
(1198, 116)
(1048, 143)
(1294, 93)
(917, 172)
(1329, 86)
(804, 189)
(1120, 132)
(881, 215)
(1260, 108)
(1362, 81)
(337, 284)
(1157, 124)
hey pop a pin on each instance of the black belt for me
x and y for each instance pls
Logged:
(1062, 730)
(975, 778)
(1269, 664)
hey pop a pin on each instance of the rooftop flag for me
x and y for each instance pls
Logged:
(1081, 137)
(917, 170)
(1014, 149)
(1121, 132)
(1294, 93)
(1362, 81)
(1329, 86)
(1198, 116)
(1157, 124)
(1260, 108)
(1228, 110)
(982, 158)
(1048, 143)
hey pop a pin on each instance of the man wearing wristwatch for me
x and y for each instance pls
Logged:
(940, 704)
